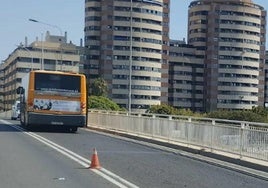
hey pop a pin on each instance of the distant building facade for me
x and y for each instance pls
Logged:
(221, 66)
(186, 77)
(230, 35)
(54, 53)
(126, 43)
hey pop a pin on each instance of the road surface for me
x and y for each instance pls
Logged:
(46, 158)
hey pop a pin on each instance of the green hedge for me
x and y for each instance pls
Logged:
(256, 114)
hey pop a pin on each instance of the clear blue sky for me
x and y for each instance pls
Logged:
(69, 16)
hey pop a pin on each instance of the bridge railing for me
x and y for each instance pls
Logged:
(244, 139)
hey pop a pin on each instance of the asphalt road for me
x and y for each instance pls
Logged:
(47, 158)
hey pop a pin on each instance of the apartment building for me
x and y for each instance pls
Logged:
(53, 53)
(221, 66)
(126, 43)
(186, 77)
(230, 35)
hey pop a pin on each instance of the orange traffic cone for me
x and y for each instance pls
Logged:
(95, 164)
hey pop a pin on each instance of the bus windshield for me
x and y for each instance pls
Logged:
(57, 83)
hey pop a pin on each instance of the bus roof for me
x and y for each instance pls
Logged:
(55, 72)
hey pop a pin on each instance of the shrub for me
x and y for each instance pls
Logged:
(239, 115)
(162, 109)
(102, 103)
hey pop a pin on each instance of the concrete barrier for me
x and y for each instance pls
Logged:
(6, 114)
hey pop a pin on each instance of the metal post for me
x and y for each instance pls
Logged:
(212, 135)
(241, 140)
(55, 26)
(188, 129)
(130, 59)
(42, 54)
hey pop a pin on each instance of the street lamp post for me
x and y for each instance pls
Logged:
(130, 59)
(131, 55)
(42, 52)
(55, 26)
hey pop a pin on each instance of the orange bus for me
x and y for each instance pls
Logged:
(53, 98)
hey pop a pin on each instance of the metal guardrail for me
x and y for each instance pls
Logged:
(245, 139)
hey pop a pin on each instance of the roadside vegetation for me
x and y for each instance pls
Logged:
(256, 114)
(102, 103)
(98, 100)
(98, 97)
(169, 110)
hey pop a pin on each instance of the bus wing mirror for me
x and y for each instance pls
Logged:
(20, 90)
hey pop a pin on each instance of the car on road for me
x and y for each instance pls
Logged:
(15, 113)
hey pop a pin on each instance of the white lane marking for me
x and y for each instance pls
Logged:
(106, 174)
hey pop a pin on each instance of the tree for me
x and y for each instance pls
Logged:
(99, 87)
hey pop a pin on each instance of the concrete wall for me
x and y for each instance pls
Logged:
(6, 114)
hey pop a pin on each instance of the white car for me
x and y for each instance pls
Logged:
(15, 113)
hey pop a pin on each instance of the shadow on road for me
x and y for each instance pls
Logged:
(37, 128)
(49, 129)
(7, 128)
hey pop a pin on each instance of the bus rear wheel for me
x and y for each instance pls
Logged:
(73, 129)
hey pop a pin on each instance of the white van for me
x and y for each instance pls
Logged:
(15, 113)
